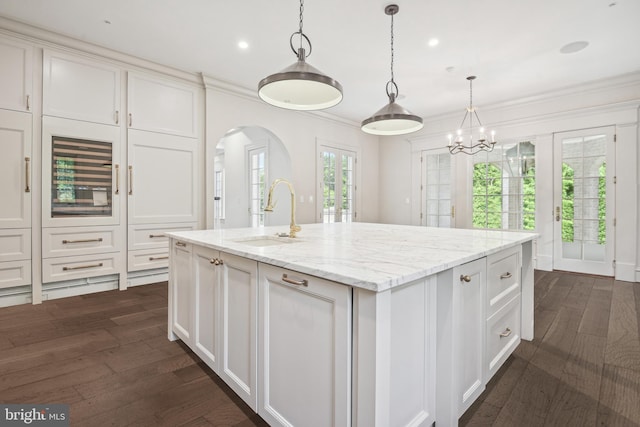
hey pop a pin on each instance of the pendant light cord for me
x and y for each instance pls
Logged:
(301, 12)
(392, 52)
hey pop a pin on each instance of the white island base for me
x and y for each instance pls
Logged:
(353, 324)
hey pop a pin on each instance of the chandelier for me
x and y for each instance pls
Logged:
(467, 143)
(392, 119)
(300, 86)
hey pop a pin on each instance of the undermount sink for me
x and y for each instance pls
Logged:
(260, 241)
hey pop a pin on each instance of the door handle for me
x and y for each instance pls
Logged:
(130, 180)
(557, 213)
(27, 175)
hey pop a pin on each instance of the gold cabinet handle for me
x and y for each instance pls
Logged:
(506, 275)
(27, 174)
(181, 244)
(130, 180)
(156, 258)
(130, 120)
(28, 103)
(99, 239)
(506, 333)
(465, 278)
(153, 236)
(117, 167)
(216, 261)
(80, 267)
(302, 282)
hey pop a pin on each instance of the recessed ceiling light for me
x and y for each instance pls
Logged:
(434, 42)
(450, 69)
(574, 47)
(243, 44)
(106, 21)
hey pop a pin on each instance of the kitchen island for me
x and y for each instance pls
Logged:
(353, 324)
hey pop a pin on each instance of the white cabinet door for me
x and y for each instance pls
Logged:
(304, 349)
(79, 88)
(181, 316)
(160, 105)
(239, 326)
(15, 169)
(469, 289)
(16, 75)
(162, 178)
(206, 305)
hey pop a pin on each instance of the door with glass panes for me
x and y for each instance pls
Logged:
(336, 202)
(436, 208)
(584, 200)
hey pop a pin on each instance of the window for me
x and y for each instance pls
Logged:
(338, 185)
(257, 179)
(436, 209)
(504, 187)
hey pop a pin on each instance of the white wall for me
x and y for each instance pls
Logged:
(228, 108)
(604, 103)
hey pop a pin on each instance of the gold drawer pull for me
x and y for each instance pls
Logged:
(505, 275)
(216, 261)
(153, 236)
(117, 172)
(27, 174)
(465, 278)
(80, 267)
(99, 239)
(302, 282)
(156, 258)
(181, 244)
(506, 333)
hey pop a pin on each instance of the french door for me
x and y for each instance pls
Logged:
(337, 185)
(584, 201)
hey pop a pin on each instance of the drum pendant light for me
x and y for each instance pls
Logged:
(392, 119)
(300, 86)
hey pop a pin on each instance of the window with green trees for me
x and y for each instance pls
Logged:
(504, 188)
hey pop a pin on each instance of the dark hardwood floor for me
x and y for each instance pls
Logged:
(583, 366)
(107, 356)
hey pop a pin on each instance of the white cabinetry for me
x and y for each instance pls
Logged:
(163, 193)
(181, 294)
(15, 194)
(304, 349)
(80, 88)
(213, 309)
(469, 287)
(503, 305)
(162, 105)
(16, 75)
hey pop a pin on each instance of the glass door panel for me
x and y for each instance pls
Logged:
(81, 178)
(584, 201)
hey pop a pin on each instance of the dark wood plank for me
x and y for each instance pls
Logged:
(623, 340)
(595, 320)
(583, 370)
(619, 397)
(530, 400)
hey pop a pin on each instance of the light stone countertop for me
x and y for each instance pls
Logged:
(366, 255)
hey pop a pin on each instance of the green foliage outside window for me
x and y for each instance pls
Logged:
(567, 203)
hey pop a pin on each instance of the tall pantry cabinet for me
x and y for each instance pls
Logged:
(144, 130)
(15, 167)
(119, 149)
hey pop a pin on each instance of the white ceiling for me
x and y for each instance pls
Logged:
(513, 46)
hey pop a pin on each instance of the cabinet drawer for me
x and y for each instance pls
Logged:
(15, 244)
(152, 236)
(148, 259)
(503, 335)
(71, 241)
(77, 267)
(503, 278)
(15, 273)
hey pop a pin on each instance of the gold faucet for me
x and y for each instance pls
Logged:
(293, 228)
